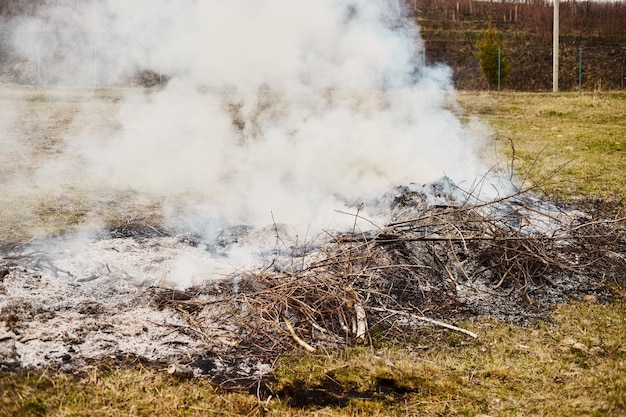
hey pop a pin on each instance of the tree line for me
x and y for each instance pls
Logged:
(583, 17)
(577, 17)
(489, 44)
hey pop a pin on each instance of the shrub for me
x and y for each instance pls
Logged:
(488, 55)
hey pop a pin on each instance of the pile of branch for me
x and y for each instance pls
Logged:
(411, 273)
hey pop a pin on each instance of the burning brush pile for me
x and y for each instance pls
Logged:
(440, 259)
(311, 107)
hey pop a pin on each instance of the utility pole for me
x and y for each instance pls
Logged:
(555, 49)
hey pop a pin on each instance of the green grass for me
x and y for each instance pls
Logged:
(569, 144)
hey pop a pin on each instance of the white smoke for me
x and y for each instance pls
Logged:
(277, 110)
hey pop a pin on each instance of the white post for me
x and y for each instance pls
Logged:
(555, 49)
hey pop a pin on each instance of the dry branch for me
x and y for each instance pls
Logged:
(427, 320)
(297, 338)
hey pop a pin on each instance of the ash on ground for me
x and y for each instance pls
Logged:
(69, 303)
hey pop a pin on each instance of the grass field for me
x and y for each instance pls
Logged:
(569, 146)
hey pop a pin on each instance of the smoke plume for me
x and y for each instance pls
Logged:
(274, 111)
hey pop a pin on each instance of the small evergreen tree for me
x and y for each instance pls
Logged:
(488, 55)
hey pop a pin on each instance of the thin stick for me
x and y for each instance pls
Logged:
(598, 222)
(358, 216)
(428, 320)
(446, 325)
(301, 342)
(485, 238)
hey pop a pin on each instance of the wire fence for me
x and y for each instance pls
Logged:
(583, 66)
